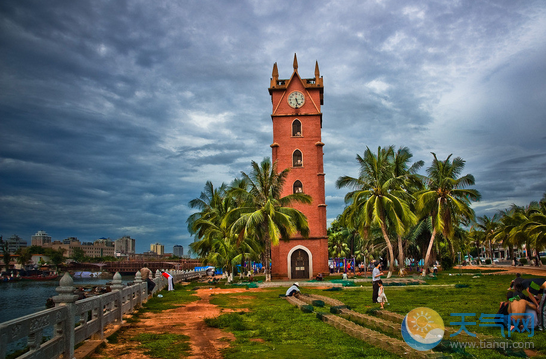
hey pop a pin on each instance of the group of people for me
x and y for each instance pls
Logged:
(525, 297)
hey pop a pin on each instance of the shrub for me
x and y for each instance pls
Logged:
(523, 261)
(488, 261)
(446, 263)
(543, 260)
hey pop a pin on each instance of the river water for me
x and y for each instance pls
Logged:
(21, 298)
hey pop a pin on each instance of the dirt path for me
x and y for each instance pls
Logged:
(535, 271)
(206, 342)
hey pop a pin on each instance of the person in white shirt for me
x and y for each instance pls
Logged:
(376, 278)
(295, 288)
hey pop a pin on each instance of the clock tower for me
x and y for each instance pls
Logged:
(297, 124)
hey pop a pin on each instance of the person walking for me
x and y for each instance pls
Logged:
(376, 278)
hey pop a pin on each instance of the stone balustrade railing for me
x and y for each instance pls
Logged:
(73, 321)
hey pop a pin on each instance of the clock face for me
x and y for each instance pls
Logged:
(296, 99)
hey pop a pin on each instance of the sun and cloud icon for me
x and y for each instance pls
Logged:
(423, 328)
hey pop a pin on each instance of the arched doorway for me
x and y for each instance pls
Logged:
(299, 264)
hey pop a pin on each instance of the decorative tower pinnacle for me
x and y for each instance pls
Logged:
(317, 72)
(295, 63)
(274, 75)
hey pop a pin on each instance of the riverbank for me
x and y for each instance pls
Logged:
(27, 297)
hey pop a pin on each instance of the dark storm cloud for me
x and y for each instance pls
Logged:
(115, 114)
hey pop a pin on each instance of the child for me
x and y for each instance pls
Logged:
(381, 297)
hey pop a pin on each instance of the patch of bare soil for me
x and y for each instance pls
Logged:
(206, 342)
(535, 271)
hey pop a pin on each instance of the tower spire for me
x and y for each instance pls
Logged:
(295, 63)
(317, 72)
(274, 75)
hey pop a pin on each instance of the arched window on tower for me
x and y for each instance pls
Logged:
(297, 159)
(296, 128)
(298, 187)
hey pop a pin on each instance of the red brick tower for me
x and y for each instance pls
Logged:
(297, 124)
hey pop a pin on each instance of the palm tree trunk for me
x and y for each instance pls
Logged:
(452, 248)
(267, 258)
(400, 255)
(429, 250)
(389, 247)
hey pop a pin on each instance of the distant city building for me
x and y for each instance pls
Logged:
(40, 239)
(70, 240)
(124, 246)
(15, 242)
(104, 241)
(100, 248)
(157, 248)
(178, 250)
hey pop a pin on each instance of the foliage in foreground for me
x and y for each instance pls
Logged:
(170, 300)
(165, 345)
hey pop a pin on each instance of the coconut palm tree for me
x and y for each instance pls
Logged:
(263, 213)
(24, 256)
(337, 245)
(411, 182)
(446, 199)
(211, 204)
(488, 225)
(6, 255)
(377, 198)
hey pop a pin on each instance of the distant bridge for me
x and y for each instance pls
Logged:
(132, 267)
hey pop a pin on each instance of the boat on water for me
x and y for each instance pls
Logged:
(28, 275)
(40, 277)
(85, 274)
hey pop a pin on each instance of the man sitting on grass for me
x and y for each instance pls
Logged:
(294, 289)
(521, 306)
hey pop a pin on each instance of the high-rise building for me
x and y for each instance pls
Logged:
(40, 239)
(124, 245)
(15, 242)
(297, 144)
(178, 250)
(157, 248)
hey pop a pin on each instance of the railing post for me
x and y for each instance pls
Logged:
(138, 281)
(117, 285)
(67, 298)
(158, 281)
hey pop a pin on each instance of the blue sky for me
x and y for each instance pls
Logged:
(113, 115)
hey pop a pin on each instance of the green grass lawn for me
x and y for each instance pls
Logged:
(272, 328)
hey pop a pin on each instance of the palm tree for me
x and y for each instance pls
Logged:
(377, 198)
(502, 234)
(223, 254)
(446, 200)
(337, 245)
(488, 226)
(411, 183)
(535, 228)
(211, 204)
(24, 256)
(6, 255)
(263, 213)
